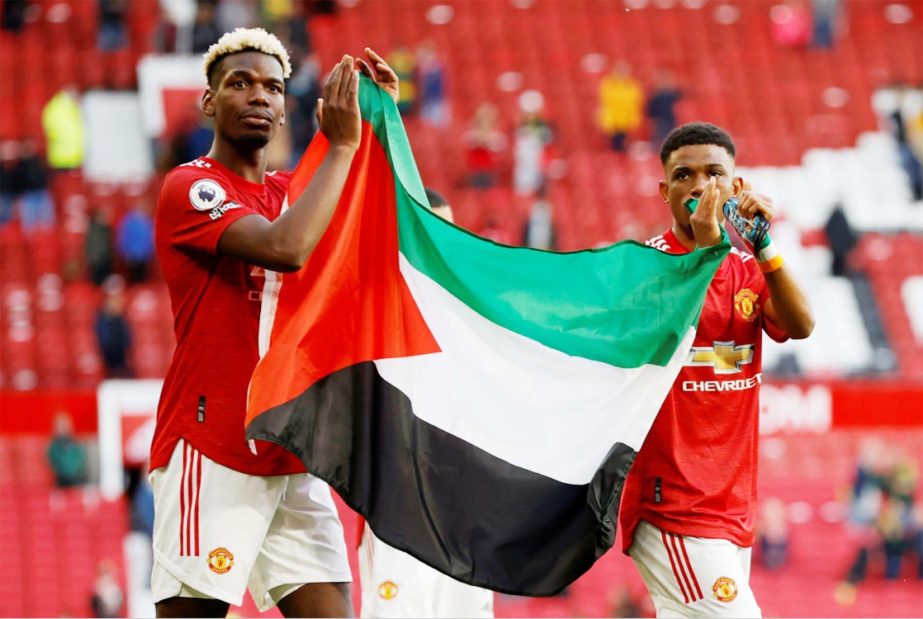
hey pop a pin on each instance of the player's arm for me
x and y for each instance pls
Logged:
(788, 306)
(285, 244)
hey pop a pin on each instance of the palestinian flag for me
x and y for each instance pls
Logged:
(479, 405)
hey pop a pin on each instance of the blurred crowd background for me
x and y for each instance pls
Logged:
(540, 121)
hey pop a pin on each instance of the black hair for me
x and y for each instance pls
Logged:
(435, 198)
(696, 133)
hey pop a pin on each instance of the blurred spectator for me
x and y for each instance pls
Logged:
(323, 7)
(142, 503)
(14, 15)
(826, 18)
(301, 94)
(790, 24)
(66, 456)
(662, 103)
(909, 160)
(882, 516)
(230, 15)
(484, 144)
(539, 231)
(404, 64)
(36, 209)
(434, 109)
(114, 335)
(530, 142)
(194, 134)
(773, 534)
(62, 122)
(205, 30)
(621, 102)
(112, 25)
(107, 597)
(135, 242)
(287, 19)
(98, 245)
(841, 238)
(276, 11)
(9, 160)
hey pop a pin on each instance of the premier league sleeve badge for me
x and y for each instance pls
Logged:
(206, 194)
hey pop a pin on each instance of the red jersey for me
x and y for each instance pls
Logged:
(216, 313)
(696, 471)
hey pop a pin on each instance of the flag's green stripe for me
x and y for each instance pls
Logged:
(627, 304)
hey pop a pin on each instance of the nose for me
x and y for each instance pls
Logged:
(701, 180)
(258, 96)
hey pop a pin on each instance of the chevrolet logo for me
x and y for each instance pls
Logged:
(724, 357)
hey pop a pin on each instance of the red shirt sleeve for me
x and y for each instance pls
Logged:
(197, 208)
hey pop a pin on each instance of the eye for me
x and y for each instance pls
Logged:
(275, 88)
(716, 173)
(240, 84)
(681, 176)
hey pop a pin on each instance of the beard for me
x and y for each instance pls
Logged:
(251, 141)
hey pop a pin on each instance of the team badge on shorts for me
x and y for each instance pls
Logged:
(387, 590)
(206, 194)
(746, 304)
(220, 560)
(725, 589)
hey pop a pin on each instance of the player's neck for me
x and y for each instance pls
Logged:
(250, 165)
(684, 236)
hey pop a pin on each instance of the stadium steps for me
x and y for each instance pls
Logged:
(889, 261)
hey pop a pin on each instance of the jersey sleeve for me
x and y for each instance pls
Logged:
(196, 208)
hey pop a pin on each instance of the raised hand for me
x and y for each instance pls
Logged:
(380, 72)
(704, 221)
(338, 110)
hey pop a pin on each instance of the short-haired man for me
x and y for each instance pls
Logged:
(228, 514)
(689, 502)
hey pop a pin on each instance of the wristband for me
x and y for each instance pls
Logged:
(769, 258)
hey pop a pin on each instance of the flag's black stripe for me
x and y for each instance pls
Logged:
(452, 505)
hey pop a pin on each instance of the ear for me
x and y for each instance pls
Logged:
(208, 103)
(664, 191)
(739, 185)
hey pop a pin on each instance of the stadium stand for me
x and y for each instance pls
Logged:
(810, 127)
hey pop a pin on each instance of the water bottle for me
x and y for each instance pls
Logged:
(754, 231)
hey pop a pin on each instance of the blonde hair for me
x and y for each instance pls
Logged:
(244, 39)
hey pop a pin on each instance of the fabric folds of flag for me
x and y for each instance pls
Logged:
(479, 405)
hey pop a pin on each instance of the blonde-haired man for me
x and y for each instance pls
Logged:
(231, 515)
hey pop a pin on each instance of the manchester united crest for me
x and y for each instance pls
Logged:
(724, 589)
(746, 304)
(220, 560)
(387, 590)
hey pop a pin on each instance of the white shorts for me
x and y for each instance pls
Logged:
(694, 576)
(218, 531)
(394, 584)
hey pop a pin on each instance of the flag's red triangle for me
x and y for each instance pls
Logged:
(349, 303)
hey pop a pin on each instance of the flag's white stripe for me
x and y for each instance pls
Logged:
(531, 405)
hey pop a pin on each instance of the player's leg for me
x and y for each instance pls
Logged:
(191, 607)
(690, 577)
(302, 566)
(319, 599)
(209, 525)
(395, 584)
